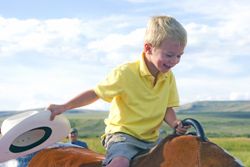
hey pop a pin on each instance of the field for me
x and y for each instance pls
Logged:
(215, 124)
(238, 147)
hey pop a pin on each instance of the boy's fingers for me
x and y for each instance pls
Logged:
(179, 130)
(180, 133)
(52, 114)
(186, 127)
(52, 117)
(182, 130)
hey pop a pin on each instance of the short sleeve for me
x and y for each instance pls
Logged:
(110, 87)
(173, 100)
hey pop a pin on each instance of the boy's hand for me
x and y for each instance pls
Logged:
(55, 110)
(180, 129)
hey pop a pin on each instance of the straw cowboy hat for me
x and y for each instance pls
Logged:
(30, 131)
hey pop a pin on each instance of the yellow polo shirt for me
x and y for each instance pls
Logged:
(138, 106)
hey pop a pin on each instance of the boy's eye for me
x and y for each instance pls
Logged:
(172, 55)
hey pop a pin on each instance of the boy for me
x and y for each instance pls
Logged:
(142, 94)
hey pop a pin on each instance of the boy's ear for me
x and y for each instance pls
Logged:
(147, 48)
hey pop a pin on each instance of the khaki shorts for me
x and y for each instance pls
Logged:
(121, 144)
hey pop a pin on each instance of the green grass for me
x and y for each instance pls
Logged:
(215, 124)
(238, 147)
(94, 144)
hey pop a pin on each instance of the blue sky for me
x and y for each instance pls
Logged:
(50, 51)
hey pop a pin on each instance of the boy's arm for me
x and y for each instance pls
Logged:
(173, 122)
(83, 99)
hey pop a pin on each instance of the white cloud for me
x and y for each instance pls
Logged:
(239, 96)
(114, 42)
(216, 44)
(118, 48)
(42, 36)
(212, 88)
(65, 36)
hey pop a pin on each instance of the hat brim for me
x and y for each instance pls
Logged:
(29, 132)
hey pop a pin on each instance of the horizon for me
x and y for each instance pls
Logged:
(107, 110)
(51, 51)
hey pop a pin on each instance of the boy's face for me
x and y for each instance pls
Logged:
(163, 58)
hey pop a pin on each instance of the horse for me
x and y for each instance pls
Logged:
(190, 150)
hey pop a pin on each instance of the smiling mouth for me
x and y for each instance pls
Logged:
(166, 66)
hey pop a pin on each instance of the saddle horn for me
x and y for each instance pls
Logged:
(197, 126)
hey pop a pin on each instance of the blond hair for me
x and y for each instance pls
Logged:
(160, 28)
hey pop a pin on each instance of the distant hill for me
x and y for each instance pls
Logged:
(215, 106)
(12, 112)
(198, 106)
(6, 113)
(194, 107)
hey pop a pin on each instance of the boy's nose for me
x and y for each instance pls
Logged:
(174, 60)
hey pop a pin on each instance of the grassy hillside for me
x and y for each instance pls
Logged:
(216, 106)
(89, 123)
(215, 124)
